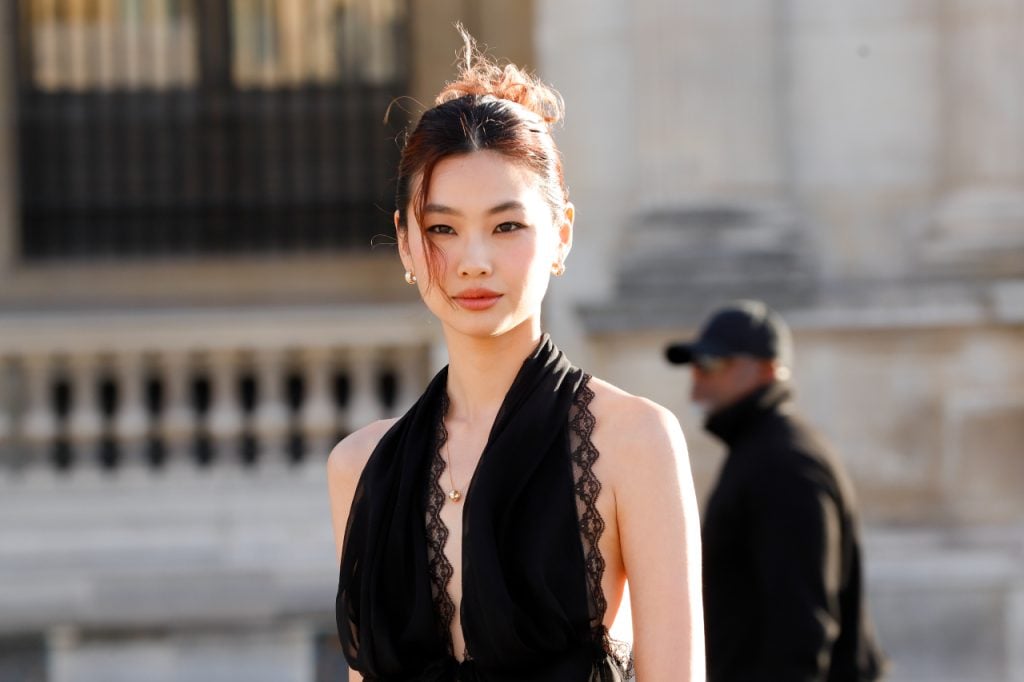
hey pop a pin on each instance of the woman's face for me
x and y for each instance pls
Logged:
(496, 240)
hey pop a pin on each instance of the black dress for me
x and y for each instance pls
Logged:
(532, 605)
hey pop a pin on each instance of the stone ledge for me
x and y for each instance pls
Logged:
(250, 327)
(947, 602)
(889, 305)
(224, 546)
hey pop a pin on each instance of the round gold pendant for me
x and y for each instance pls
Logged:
(455, 496)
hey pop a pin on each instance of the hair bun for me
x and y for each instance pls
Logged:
(480, 75)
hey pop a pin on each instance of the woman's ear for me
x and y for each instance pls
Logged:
(565, 231)
(402, 239)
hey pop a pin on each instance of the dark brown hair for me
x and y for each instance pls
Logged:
(487, 107)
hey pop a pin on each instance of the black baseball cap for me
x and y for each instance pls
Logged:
(738, 328)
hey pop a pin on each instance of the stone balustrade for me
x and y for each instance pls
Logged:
(200, 388)
(162, 471)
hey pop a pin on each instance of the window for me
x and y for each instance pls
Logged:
(177, 128)
(286, 43)
(82, 45)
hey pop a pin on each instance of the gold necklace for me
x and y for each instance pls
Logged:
(454, 495)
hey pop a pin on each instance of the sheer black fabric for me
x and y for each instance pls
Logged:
(529, 555)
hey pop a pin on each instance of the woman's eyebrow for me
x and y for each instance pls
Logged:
(511, 205)
(441, 208)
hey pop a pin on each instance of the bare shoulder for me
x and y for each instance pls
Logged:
(639, 440)
(643, 424)
(349, 457)
(344, 467)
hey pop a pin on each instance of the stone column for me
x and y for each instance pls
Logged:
(38, 426)
(363, 404)
(409, 370)
(983, 93)
(177, 423)
(981, 204)
(864, 103)
(271, 412)
(584, 49)
(85, 425)
(318, 416)
(131, 420)
(225, 418)
(710, 91)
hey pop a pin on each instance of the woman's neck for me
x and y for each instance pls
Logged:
(480, 372)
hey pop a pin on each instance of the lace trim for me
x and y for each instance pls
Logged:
(584, 455)
(620, 654)
(587, 487)
(441, 570)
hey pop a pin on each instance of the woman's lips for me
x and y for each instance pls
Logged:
(477, 299)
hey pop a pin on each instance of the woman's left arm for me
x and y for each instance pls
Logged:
(659, 535)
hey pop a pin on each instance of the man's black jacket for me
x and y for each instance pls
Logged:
(783, 593)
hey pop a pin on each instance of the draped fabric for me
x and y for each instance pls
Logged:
(526, 610)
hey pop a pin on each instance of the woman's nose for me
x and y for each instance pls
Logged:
(476, 260)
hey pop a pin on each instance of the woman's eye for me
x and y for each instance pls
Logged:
(441, 229)
(509, 227)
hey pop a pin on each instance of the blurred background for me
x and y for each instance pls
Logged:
(198, 294)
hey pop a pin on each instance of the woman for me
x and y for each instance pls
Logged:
(489, 532)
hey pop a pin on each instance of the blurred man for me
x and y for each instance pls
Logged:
(783, 593)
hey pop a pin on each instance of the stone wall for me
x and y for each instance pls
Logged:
(857, 166)
(928, 422)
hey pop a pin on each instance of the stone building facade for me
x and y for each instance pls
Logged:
(860, 166)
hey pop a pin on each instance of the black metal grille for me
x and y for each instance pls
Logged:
(206, 168)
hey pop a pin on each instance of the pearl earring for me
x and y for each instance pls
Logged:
(410, 278)
(558, 269)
